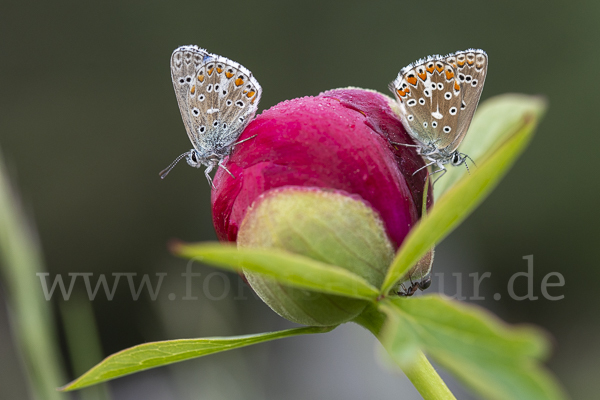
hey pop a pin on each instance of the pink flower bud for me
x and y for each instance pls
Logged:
(338, 140)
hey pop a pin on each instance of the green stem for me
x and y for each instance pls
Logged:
(421, 373)
(426, 379)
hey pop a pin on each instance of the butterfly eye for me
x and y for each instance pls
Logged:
(457, 159)
(194, 157)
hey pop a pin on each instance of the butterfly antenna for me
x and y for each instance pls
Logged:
(470, 159)
(466, 165)
(166, 171)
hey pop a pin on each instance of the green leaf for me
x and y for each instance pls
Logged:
(156, 354)
(496, 360)
(495, 121)
(466, 194)
(287, 268)
(31, 315)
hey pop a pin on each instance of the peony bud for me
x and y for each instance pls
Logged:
(339, 143)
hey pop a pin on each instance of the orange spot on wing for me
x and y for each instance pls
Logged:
(252, 101)
(219, 70)
(430, 70)
(440, 68)
(449, 74)
(210, 71)
(228, 74)
(471, 61)
(456, 86)
(193, 90)
(250, 93)
(401, 92)
(460, 62)
(412, 80)
(423, 76)
(239, 82)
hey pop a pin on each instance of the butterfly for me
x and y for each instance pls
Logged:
(217, 98)
(437, 98)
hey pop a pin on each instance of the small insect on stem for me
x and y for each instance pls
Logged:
(412, 289)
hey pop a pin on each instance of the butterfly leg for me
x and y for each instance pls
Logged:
(404, 144)
(442, 169)
(207, 172)
(226, 170)
(424, 166)
(245, 140)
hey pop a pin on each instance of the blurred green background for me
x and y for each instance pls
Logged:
(88, 118)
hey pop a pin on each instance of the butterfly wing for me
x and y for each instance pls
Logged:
(429, 96)
(471, 67)
(228, 96)
(185, 61)
(217, 97)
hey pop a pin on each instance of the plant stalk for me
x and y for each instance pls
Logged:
(421, 373)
